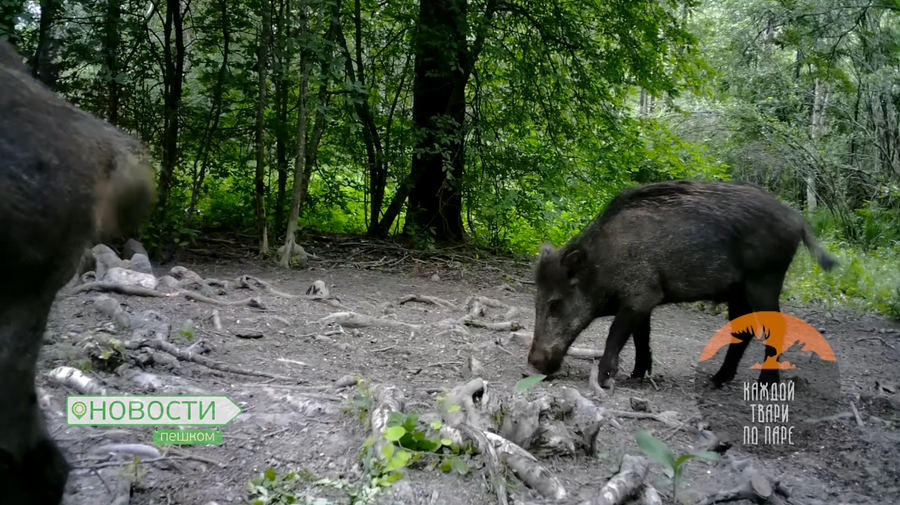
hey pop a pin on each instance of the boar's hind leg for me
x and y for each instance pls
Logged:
(758, 296)
(643, 359)
(33, 471)
(738, 305)
(627, 321)
(763, 295)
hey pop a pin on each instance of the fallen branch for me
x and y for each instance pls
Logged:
(183, 355)
(504, 326)
(77, 380)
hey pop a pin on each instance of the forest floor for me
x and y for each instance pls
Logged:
(301, 422)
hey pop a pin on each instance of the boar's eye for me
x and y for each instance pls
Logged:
(554, 306)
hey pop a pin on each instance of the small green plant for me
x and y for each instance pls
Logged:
(407, 442)
(187, 329)
(361, 400)
(528, 382)
(268, 488)
(674, 467)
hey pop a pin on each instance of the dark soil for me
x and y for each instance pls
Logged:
(286, 427)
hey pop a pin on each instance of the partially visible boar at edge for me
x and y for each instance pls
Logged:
(67, 180)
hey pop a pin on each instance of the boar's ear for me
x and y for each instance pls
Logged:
(547, 249)
(572, 260)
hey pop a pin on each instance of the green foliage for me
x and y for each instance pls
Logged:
(674, 467)
(187, 329)
(269, 488)
(529, 381)
(407, 441)
(862, 281)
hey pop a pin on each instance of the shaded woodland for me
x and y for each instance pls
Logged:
(501, 122)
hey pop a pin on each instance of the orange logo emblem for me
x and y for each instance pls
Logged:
(778, 332)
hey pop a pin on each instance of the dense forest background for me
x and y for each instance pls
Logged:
(500, 122)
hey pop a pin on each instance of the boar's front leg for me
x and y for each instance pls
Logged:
(626, 323)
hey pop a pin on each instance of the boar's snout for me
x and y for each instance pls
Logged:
(544, 361)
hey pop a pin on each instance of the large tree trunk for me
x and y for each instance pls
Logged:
(111, 41)
(173, 80)
(259, 181)
(300, 160)
(439, 108)
(431, 47)
(42, 65)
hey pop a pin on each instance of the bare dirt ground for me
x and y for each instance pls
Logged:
(304, 424)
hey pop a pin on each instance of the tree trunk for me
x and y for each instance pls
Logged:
(111, 41)
(429, 56)
(215, 115)
(282, 85)
(259, 181)
(312, 149)
(300, 156)
(173, 80)
(42, 65)
(817, 124)
(439, 106)
(371, 139)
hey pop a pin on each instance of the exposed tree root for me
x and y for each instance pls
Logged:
(184, 355)
(254, 303)
(755, 487)
(111, 308)
(217, 321)
(430, 300)
(527, 468)
(356, 320)
(250, 282)
(525, 339)
(385, 399)
(626, 484)
(122, 289)
(486, 448)
(471, 421)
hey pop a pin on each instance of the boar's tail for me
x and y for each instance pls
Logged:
(825, 260)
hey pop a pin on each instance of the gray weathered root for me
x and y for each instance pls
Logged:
(755, 487)
(627, 486)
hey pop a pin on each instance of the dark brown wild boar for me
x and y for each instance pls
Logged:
(662, 243)
(67, 179)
